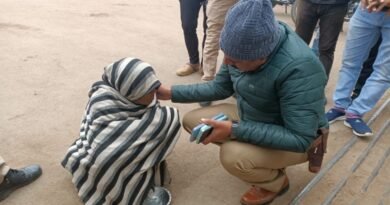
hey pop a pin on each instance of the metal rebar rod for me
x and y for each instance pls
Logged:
(375, 172)
(342, 151)
(358, 162)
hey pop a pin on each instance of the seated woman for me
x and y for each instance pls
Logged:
(125, 137)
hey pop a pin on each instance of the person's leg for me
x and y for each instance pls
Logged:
(189, 12)
(361, 37)
(306, 20)
(331, 22)
(3, 169)
(379, 81)
(368, 26)
(258, 166)
(192, 118)
(366, 70)
(205, 18)
(204, 45)
(216, 12)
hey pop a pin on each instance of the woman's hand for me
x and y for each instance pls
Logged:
(221, 131)
(164, 93)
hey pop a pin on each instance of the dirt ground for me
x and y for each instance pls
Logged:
(51, 53)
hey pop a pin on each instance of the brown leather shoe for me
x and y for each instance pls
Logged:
(259, 196)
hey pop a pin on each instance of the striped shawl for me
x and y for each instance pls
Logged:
(122, 145)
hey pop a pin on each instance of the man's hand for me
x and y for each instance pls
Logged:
(372, 5)
(164, 93)
(382, 4)
(375, 5)
(221, 130)
(364, 3)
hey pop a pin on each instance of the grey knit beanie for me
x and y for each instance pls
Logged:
(250, 31)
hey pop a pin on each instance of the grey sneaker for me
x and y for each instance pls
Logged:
(158, 196)
(17, 178)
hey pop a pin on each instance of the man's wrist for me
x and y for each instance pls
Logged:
(170, 93)
(235, 125)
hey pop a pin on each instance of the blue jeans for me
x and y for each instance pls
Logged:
(364, 31)
(367, 69)
(189, 12)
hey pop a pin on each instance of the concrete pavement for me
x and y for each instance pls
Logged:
(52, 51)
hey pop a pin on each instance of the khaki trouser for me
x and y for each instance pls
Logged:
(3, 169)
(216, 12)
(253, 164)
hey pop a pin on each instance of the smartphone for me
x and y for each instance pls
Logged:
(196, 129)
(201, 131)
(195, 132)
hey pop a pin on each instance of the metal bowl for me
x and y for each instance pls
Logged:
(158, 196)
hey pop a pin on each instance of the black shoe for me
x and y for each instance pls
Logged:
(17, 178)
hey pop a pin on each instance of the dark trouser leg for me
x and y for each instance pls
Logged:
(189, 12)
(331, 22)
(306, 20)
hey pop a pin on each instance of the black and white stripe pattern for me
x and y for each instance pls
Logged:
(121, 146)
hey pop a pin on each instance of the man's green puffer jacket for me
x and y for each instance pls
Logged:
(281, 105)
